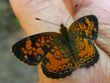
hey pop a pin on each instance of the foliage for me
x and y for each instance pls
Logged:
(8, 21)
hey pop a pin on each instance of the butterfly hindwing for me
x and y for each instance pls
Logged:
(86, 51)
(86, 26)
(57, 62)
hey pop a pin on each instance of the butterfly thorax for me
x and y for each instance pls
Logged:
(66, 36)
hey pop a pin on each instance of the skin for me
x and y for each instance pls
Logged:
(26, 12)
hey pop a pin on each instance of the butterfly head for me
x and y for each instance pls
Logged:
(63, 29)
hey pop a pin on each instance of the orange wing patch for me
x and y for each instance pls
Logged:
(87, 28)
(29, 50)
(54, 64)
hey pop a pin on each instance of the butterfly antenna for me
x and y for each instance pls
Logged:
(75, 6)
(47, 21)
(67, 20)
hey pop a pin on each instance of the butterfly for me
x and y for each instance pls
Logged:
(61, 53)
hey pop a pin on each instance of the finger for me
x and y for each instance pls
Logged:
(53, 11)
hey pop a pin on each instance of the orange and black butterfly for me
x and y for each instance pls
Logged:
(61, 53)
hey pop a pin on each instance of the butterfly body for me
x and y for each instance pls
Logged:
(61, 53)
(69, 40)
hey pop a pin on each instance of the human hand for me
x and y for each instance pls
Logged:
(58, 11)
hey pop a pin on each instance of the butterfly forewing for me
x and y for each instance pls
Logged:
(86, 26)
(32, 49)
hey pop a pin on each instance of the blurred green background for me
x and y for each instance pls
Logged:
(11, 69)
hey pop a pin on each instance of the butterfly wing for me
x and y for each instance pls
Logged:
(86, 26)
(83, 32)
(57, 62)
(32, 49)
